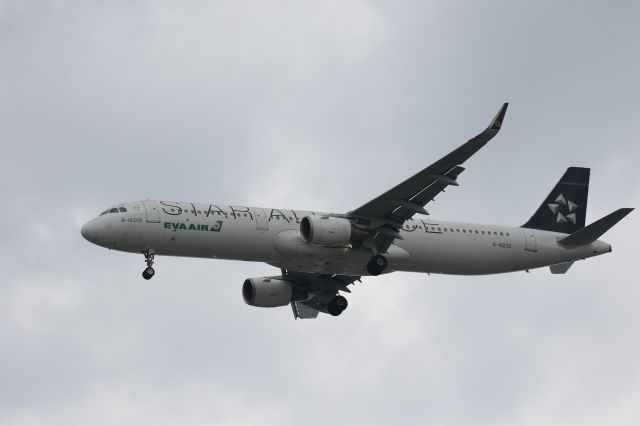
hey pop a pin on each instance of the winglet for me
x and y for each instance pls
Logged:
(496, 123)
(592, 232)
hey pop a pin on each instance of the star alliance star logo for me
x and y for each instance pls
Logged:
(563, 203)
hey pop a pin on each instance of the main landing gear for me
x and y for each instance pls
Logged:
(149, 272)
(377, 264)
(337, 305)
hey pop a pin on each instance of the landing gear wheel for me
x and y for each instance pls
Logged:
(337, 305)
(377, 264)
(148, 273)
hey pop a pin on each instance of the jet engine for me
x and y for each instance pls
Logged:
(267, 292)
(325, 230)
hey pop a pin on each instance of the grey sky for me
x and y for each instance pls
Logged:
(311, 105)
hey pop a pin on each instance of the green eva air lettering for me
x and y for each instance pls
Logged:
(216, 227)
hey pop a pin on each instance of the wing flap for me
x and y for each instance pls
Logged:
(321, 289)
(302, 311)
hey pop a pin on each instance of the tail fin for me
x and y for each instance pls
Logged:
(596, 229)
(565, 208)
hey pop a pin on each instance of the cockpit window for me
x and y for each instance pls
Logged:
(122, 209)
(114, 210)
(104, 212)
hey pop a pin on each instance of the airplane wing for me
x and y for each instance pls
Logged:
(388, 212)
(321, 289)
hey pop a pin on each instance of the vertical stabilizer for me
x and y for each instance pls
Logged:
(565, 208)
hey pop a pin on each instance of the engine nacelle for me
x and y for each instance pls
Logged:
(325, 230)
(266, 292)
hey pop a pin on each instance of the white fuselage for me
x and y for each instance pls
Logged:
(272, 236)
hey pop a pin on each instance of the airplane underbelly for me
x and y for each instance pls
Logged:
(465, 255)
(299, 255)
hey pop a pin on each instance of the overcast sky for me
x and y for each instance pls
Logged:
(311, 105)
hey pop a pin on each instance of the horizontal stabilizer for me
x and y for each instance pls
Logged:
(560, 268)
(594, 231)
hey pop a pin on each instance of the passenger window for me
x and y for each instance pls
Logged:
(508, 234)
(482, 232)
(439, 229)
(501, 234)
(476, 231)
(464, 231)
(113, 210)
(122, 210)
(457, 230)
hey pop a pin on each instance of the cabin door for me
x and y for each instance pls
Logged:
(153, 215)
(530, 243)
(262, 223)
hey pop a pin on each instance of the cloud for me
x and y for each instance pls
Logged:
(317, 106)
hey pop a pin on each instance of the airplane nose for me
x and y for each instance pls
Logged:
(90, 231)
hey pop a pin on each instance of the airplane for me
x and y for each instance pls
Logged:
(321, 254)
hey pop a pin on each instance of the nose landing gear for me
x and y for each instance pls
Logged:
(149, 272)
